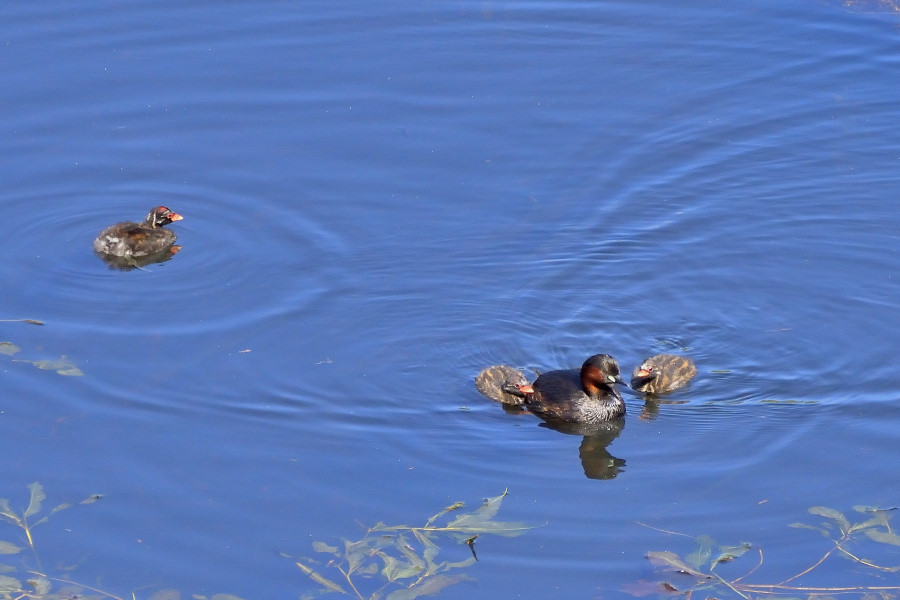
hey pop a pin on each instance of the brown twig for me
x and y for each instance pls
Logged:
(663, 530)
(753, 570)
(818, 562)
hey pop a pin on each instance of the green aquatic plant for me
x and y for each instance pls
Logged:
(696, 571)
(402, 560)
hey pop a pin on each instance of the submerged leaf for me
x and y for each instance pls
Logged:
(354, 554)
(501, 528)
(873, 509)
(830, 513)
(91, 499)
(63, 366)
(76, 372)
(430, 551)
(876, 521)
(414, 565)
(884, 537)
(41, 585)
(62, 506)
(9, 584)
(672, 560)
(37, 496)
(9, 548)
(225, 597)
(729, 553)
(446, 566)
(698, 557)
(9, 513)
(483, 513)
(407, 556)
(166, 594)
(8, 348)
(319, 579)
(479, 521)
(428, 587)
(323, 547)
(824, 532)
(452, 507)
(648, 588)
(391, 566)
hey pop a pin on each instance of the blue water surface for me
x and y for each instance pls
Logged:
(380, 200)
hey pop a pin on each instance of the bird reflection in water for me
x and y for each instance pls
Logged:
(127, 263)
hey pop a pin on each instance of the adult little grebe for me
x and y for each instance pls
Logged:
(576, 396)
(662, 374)
(138, 239)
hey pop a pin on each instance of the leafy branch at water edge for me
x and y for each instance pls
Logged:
(697, 571)
(402, 560)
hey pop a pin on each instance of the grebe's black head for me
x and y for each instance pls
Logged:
(161, 215)
(599, 371)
